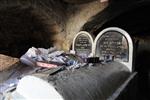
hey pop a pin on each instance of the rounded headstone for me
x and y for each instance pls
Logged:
(114, 44)
(82, 44)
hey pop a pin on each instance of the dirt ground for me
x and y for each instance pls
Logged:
(6, 62)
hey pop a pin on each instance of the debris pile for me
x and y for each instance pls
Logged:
(50, 58)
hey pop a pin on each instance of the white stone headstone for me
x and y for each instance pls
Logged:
(114, 43)
(82, 44)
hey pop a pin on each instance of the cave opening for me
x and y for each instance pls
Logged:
(22, 28)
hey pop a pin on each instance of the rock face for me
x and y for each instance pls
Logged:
(78, 1)
(29, 23)
(77, 19)
(6, 62)
(42, 23)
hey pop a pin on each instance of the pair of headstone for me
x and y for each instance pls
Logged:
(111, 43)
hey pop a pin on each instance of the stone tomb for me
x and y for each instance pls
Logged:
(110, 44)
(114, 43)
(82, 44)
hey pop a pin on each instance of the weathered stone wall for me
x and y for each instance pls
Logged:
(78, 16)
(41, 23)
(78, 1)
(26, 23)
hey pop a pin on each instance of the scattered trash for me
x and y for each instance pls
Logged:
(8, 86)
(76, 66)
(53, 58)
(47, 65)
(49, 58)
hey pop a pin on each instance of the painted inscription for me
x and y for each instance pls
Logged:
(112, 44)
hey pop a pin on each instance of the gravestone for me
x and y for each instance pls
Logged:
(82, 44)
(114, 44)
